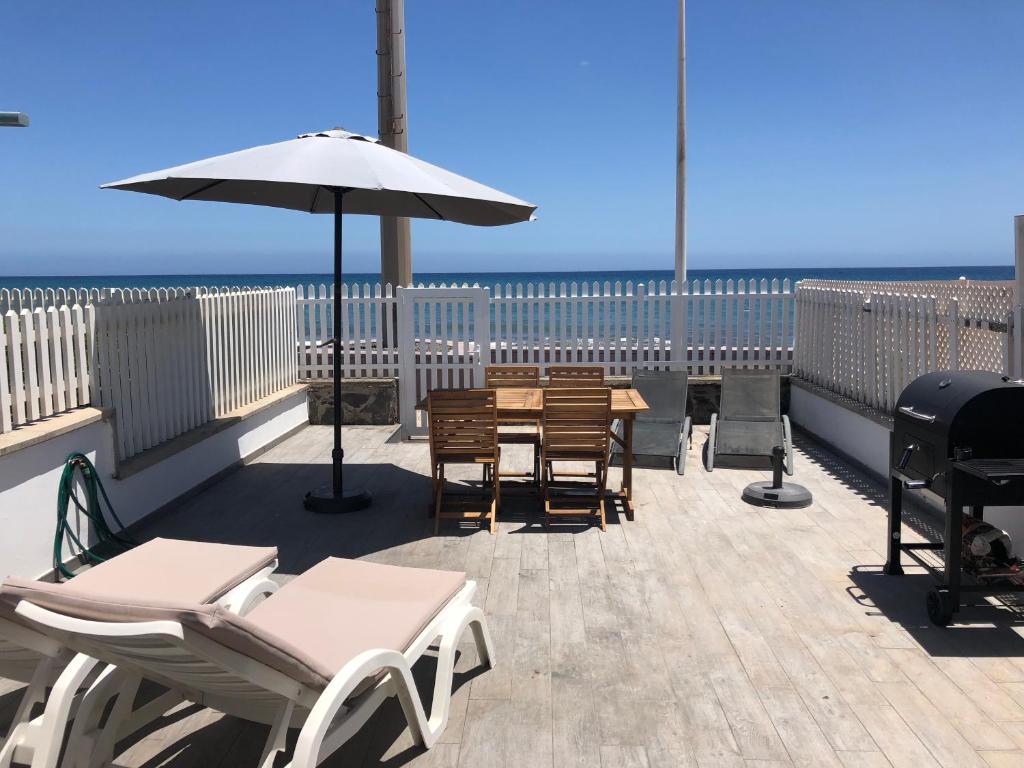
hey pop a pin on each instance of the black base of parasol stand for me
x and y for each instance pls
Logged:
(775, 493)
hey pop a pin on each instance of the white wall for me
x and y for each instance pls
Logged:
(868, 442)
(29, 479)
(857, 436)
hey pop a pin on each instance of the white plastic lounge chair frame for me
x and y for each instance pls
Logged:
(203, 670)
(44, 663)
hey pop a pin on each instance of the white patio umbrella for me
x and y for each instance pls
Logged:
(335, 172)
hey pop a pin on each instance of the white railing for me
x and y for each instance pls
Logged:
(45, 363)
(170, 365)
(368, 332)
(619, 326)
(867, 344)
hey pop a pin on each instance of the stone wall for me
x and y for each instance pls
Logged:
(363, 401)
(375, 401)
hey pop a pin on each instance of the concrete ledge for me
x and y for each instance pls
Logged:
(46, 429)
(158, 453)
(849, 429)
(875, 415)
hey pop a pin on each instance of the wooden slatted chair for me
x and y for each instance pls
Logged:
(463, 426)
(575, 376)
(517, 431)
(575, 429)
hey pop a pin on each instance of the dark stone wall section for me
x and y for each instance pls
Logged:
(363, 401)
(375, 401)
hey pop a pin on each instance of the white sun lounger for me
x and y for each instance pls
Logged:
(228, 575)
(321, 654)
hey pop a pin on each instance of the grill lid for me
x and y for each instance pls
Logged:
(968, 407)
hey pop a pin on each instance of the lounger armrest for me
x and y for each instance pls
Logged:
(243, 597)
(787, 432)
(61, 625)
(709, 460)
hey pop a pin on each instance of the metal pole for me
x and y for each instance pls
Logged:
(681, 152)
(1016, 337)
(1018, 238)
(334, 498)
(392, 128)
(337, 454)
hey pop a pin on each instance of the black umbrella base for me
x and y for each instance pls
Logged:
(782, 496)
(323, 500)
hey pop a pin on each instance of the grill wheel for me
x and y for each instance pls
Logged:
(940, 607)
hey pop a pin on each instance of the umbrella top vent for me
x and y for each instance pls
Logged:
(338, 133)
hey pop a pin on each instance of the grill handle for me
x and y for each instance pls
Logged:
(909, 411)
(905, 456)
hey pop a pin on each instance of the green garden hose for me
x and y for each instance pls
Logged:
(106, 539)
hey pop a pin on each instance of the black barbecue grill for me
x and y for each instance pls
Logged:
(958, 435)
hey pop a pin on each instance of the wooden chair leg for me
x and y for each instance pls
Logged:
(496, 505)
(438, 496)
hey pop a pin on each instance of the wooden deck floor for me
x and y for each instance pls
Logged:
(706, 632)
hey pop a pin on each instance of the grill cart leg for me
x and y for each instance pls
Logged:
(944, 600)
(893, 567)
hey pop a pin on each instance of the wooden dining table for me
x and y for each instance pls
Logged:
(527, 404)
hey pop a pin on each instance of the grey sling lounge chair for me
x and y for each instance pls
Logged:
(664, 430)
(749, 423)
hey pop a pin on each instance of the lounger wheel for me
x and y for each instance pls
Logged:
(940, 607)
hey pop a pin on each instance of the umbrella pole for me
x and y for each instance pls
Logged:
(336, 498)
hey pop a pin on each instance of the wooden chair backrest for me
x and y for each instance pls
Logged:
(463, 422)
(576, 376)
(577, 421)
(496, 376)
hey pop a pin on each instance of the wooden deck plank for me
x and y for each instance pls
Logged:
(703, 633)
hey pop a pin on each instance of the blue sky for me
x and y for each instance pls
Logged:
(838, 133)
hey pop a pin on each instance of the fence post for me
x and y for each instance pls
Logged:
(953, 320)
(1015, 332)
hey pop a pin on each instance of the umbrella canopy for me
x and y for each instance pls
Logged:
(335, 172)
(301, 174)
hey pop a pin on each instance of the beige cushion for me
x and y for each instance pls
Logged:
(308, 630)
(173, 570)
(170, 570)
(210, 620)
(340, 608)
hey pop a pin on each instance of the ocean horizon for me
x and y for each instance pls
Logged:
(793, 274)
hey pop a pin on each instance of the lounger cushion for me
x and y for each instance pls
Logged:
(167, 570)
(211, 620)
(748, 438)
(308, 630)
(173, 569)
(340, 608)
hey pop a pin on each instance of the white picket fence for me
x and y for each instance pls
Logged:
(621, 327)
(45, 362)
(867, 343)
(170, 365)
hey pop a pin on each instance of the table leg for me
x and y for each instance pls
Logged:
(627, 465)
